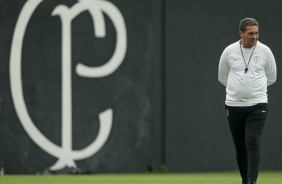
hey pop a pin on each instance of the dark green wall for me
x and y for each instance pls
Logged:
(197, 132)
(168, 107)
(133, 91)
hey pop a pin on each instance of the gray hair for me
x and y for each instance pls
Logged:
(247, 22)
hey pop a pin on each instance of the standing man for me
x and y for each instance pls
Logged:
(246, 68)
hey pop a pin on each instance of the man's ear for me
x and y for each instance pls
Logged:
(240, 33)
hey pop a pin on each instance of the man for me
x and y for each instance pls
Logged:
(246, 68)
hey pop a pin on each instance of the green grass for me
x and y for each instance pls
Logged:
(166, 178)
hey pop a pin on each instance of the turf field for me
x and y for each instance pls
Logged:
(167, 178)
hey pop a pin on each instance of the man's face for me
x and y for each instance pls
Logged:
(250, 36)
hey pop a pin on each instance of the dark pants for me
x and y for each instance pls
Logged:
(246, 126)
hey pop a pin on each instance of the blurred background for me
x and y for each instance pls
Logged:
(162, 89)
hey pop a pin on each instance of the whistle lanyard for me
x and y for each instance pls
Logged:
(246, 69)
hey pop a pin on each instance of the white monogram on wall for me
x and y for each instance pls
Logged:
(65, 154)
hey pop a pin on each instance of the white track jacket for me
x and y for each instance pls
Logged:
(250, 88)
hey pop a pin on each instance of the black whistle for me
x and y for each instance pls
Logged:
(246, 69)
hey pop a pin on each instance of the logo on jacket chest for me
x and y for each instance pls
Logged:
(256, 58)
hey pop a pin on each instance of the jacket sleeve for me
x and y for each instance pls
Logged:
(270, 68)
(223, 68)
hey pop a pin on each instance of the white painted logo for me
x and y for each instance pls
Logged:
(65, 154)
